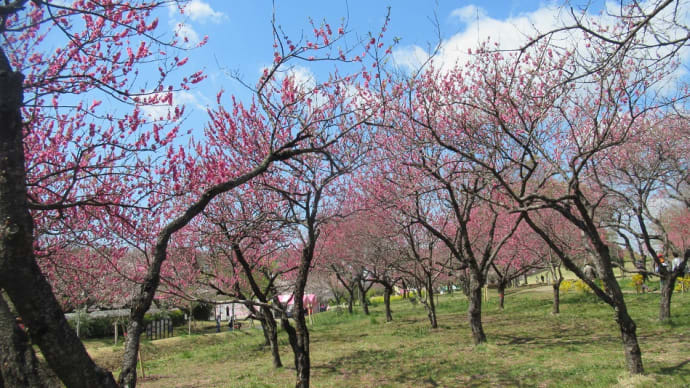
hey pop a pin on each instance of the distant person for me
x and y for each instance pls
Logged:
(675, 263)
(542, 279)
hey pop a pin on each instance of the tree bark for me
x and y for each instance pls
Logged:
(271, 330)
(18, 364)
(474, 310)
(633, 355)
(363, 297)
(668, 283)
(501, 294)
(431, 305)
(20, 275)
(387, 291)
(556, 296)
(350, 300)
(264, 329)
(631, 348)
(301, 348)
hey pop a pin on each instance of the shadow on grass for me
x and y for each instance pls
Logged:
(674, 369)
(570, 340)
(425, 372)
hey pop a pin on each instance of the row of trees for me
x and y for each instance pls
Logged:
(373, 175)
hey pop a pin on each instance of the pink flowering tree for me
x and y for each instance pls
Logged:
(531, 118)
(313, 188)
(340, 256)
(63, 150)
(361, 251)
(637, 177)
(248, 253)
(452, 199)
(520, 255)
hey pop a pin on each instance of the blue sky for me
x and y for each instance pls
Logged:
(240, 35)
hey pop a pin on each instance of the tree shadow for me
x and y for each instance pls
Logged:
(674, 369)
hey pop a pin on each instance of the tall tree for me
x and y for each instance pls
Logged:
(50, 104)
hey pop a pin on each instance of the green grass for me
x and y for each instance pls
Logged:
(527, 346)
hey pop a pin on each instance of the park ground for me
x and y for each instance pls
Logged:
(527, 347)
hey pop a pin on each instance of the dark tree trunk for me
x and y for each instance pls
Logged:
(633, 355)
(141, 303)
(350, 300)
(363, 297)
(474, 310)
(292, 335)
(387, 291)
(20, 276)
(631, 348)
(431, 305)
(18, 364)
(556, 296)
(501, 294)
(264, 329)
(271, 332)
(668, 283)
(301, 348)
(611, 294)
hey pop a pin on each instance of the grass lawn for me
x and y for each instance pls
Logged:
(527, 346)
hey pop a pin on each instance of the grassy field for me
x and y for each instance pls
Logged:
(527, 347)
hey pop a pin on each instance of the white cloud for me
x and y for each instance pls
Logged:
(469, 13)
(516, 30)
(198, 11)
(303, 77)
(511, 33)
(182, 97)
(187, 34)
(410, 57)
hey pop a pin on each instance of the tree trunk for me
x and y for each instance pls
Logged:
(20, 275)
(474, 310)
(556, 297)
(271, 331)
(301, 348)
(431, 305)
(387, 291)
(18, 364)
(363, 298)
(350, 300)
(668, 283)
(501, 294)
(633, 355)
(264, 329)
(292, 338)
(128, 375)
(631, 348)
(141, 304)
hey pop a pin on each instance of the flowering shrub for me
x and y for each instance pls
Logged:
(637, 282)
(683, 283)
(578, 285)
(379, 299)
(566, 285)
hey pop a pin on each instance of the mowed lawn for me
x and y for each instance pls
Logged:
(528, 346)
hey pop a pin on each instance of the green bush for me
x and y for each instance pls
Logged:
(95, 327)
(201, 311)
(103, 326)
